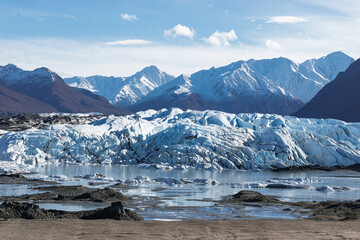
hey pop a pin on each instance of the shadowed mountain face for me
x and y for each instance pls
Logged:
(339, 99)
(49, 89)
(11, 101)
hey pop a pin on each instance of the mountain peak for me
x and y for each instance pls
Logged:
(11, 66)
(337, 56)
(151, 68)
(338, 99)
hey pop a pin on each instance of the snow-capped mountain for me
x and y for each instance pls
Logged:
(303, 80)
(233, 88)
(123, 91)
(182, 139)
(339, 99)
(48, 88)
(265, 86)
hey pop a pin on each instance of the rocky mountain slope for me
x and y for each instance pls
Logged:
(339, 99)
(45, 86)
(11, 101)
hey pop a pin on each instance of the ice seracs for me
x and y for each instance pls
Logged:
(193, 139)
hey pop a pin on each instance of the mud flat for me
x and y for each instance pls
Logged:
(192, 229)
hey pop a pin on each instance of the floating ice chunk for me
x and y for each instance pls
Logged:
(52, 178)
(95, 176)
(331, 189)
(325, 189)
(248, 185)
(277, 182)
(168, 180)
(201, 181)
(137, 180)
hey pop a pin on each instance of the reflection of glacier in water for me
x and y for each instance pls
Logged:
(189, 201)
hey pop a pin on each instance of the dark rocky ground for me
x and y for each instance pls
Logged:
(23, 121)
(61, 193)
(354, 167)
(20, 179)
(24, 207)
(21, 210)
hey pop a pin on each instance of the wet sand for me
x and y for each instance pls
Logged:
(192, 229)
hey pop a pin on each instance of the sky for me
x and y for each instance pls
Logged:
(120, 37)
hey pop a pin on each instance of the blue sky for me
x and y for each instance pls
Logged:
(109, 37)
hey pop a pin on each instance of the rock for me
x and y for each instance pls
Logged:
(102, 195)
(13, 210)
(252, 196)
(115, 211)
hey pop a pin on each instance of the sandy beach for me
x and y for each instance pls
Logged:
(192, 229)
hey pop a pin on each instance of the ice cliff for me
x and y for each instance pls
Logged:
(183, 139)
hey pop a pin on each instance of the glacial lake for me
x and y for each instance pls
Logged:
(197, 201)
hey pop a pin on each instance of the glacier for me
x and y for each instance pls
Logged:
(180, 139)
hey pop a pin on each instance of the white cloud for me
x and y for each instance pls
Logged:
(128, 17)
(69, 16)
(221, 38)
(180, 31)
(41, 16)
(273, 45)
(128, 42)
(286, 19)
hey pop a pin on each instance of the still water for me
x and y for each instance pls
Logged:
(190, 201)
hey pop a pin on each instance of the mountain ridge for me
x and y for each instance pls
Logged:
(50, 89)
(339, 99)
(123, 91)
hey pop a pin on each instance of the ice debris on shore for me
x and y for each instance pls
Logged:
(7, 167)
(288, 183)
(327, 189)
(197, 139)
(169, 181)
(95, 176)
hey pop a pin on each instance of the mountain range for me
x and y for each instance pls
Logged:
(123, 91)
(340, 99)
(42, 90)
(276, 85)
